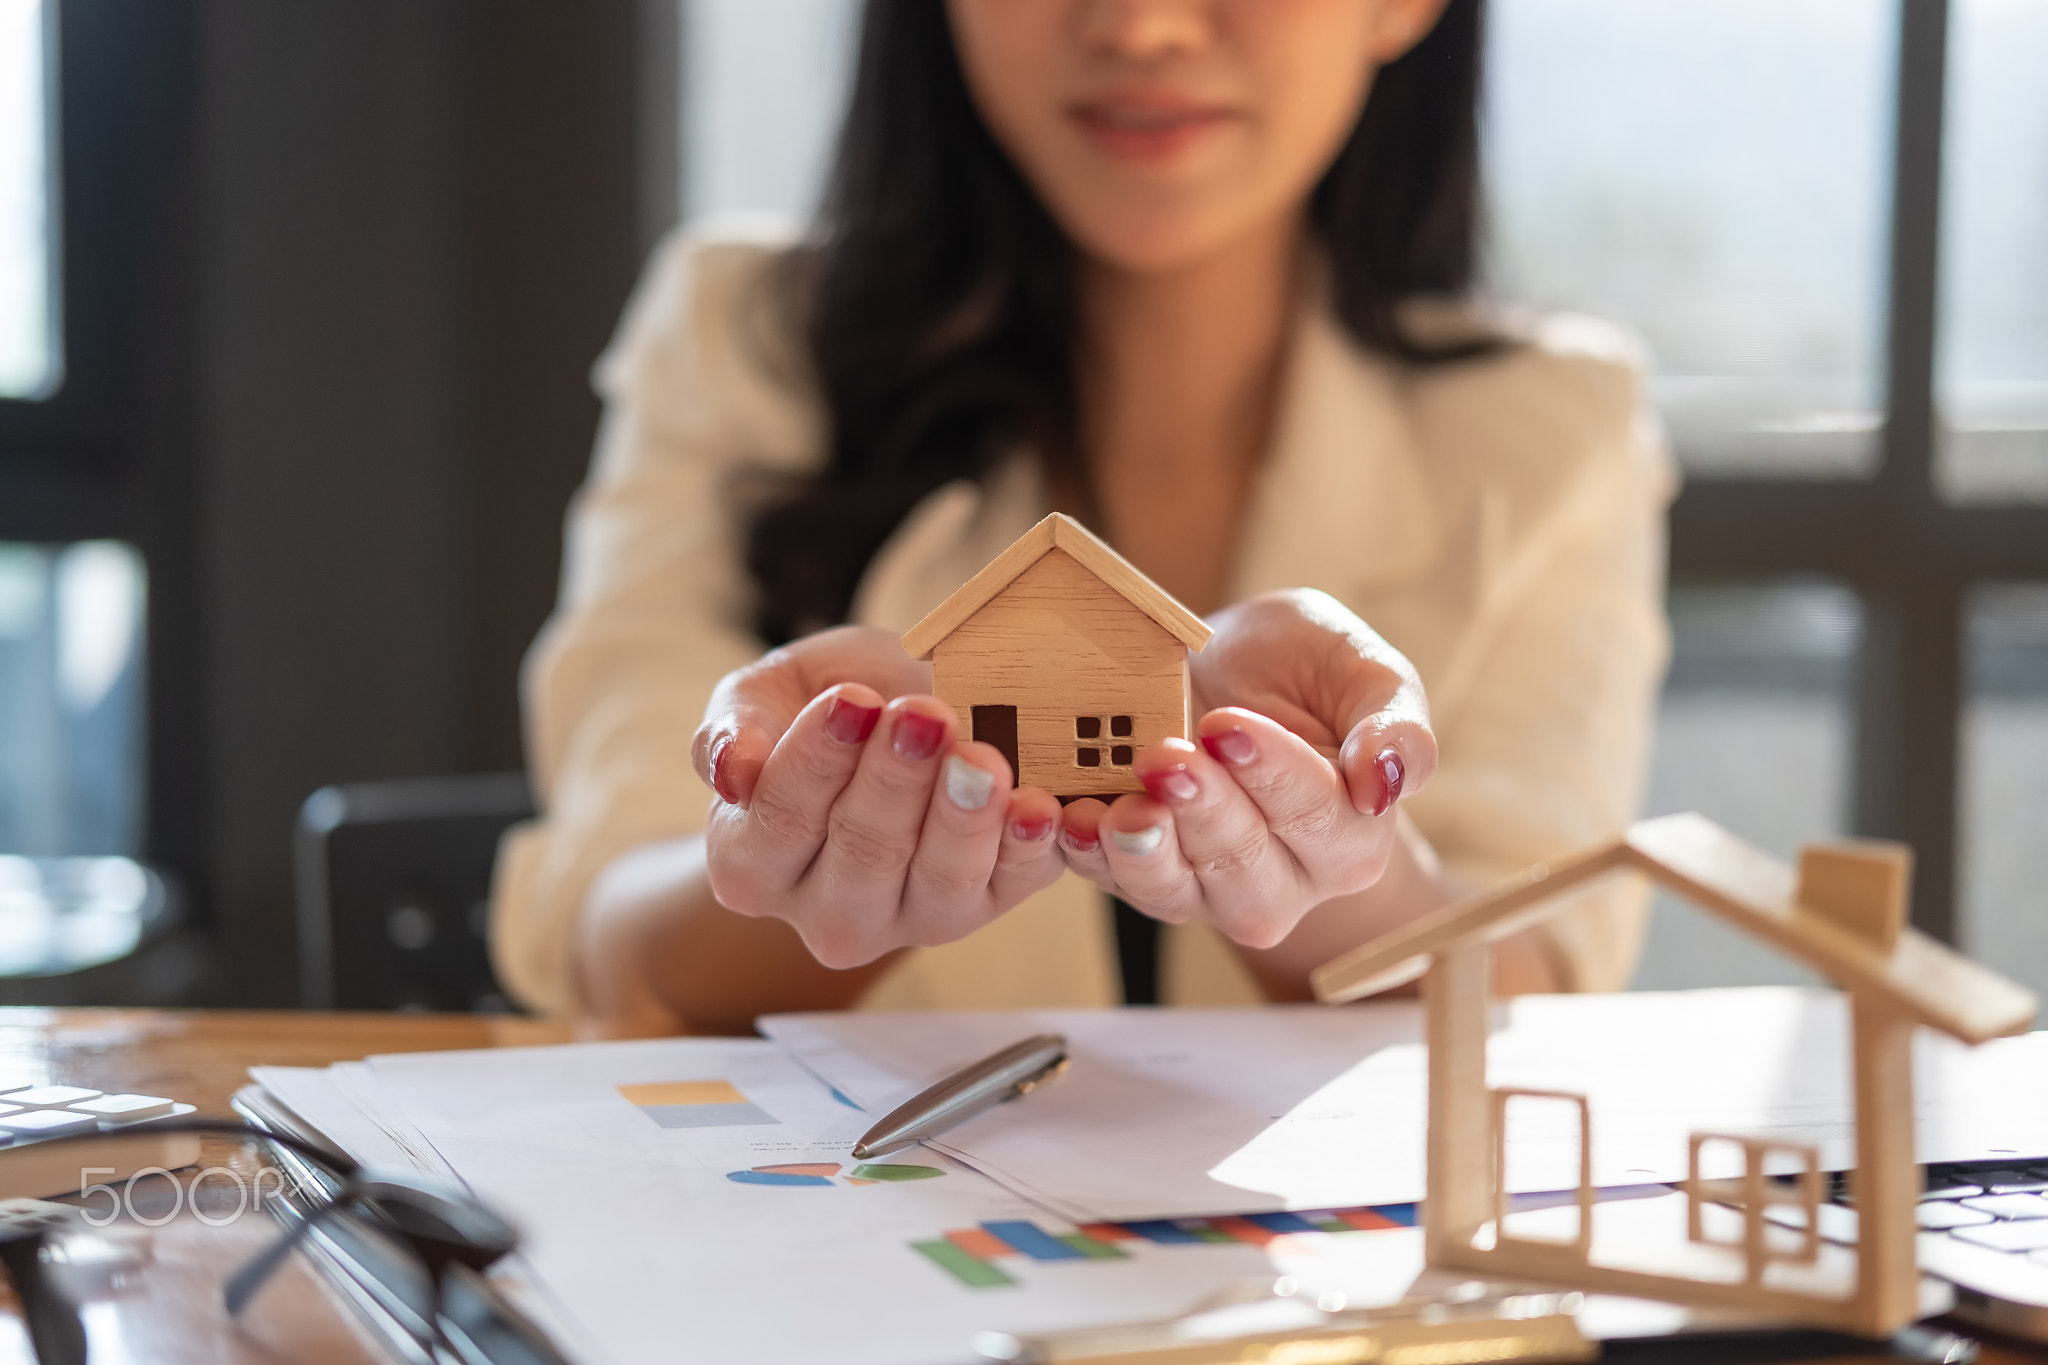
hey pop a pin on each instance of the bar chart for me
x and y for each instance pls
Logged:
(972, 1256)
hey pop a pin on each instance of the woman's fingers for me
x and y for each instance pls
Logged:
(873, 832)
(1385, 757)
(752, 707)
(770, 842)
(1305, 804)
(1247, 831)
(1247, 880)
(973, 862)
(946, 890)
(1029, 858)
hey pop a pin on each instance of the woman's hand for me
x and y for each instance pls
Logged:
(1318, 726)
(847, 808)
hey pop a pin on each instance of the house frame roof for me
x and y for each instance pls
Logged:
(1926, 981)
(1056, 532)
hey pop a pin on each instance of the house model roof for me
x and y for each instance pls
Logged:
(1691, 855)
(1056, 532)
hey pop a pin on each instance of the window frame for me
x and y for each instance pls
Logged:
(108, 454)
(1911, 556)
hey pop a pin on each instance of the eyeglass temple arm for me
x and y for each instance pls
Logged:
(246, 1281)
(55, 1333)
(243, 1284)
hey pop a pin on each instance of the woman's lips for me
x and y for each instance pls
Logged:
(1133, 130)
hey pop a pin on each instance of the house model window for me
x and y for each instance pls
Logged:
(1065, 659)
(1094, 727)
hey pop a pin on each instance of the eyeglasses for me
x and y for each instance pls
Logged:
(431, 1242)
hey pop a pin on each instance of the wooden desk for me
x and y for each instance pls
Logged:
(172, 1312)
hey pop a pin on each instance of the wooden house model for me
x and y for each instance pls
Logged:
(1065, 658)
(1842, 914)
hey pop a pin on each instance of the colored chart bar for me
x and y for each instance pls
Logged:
(1092, 1249)
(1161, 1231)
(1402, 1215)
(1034, 1241)
(1109, 1232)
(971, 1271)
(1244, 1230)
(1207, 1232)
(976, 1242)
(1281, 1222)
(868, 1170)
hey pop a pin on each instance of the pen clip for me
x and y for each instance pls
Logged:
(1051, 1073)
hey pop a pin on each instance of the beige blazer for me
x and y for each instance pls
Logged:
(1500, 521)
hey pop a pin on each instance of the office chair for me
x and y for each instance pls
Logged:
(394, 883)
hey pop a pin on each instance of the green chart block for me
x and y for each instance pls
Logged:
(971, 1271)
(866, 1171)
(1207, 1233)
(1092, 1249)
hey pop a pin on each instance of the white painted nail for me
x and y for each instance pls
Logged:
(1139, 842)
(969, 787)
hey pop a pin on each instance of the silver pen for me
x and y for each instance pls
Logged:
(1016, 1070)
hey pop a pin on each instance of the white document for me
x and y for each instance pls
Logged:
(1185, 1112)
(694, 1199)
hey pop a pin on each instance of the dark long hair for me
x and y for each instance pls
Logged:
(938, 297)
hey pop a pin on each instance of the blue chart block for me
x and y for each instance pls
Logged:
(1159, 1230)
(775, 1178)
(1404, 1214)
(1281, 1222)
(1033, 1241)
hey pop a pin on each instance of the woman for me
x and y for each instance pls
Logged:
(1190, 270)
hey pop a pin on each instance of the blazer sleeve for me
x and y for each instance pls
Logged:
(654, 602)
(1546, 712)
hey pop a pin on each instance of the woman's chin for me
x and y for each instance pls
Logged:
(1157, 243)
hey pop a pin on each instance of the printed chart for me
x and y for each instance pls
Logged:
(830, 1173)
(972, 1255)
(695, 1104)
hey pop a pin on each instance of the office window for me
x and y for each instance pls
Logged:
(1712, 173)
(71, 768)
(30, 363)
(1756, 731)
(764, 82)
(1992, 376)
(2004, 863)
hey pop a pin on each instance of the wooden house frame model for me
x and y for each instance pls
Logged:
(1842, 914)
(1065, 658)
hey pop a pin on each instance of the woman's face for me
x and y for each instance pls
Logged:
(1159, 132)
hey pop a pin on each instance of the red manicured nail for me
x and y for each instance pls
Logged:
(721, 776)
(1174, 786)
(917, 736)
(1081, 842)
(849, 722)
(1031, 831)
(1392, 774)
(1232, 747)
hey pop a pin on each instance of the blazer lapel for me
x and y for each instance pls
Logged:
(1341, 502)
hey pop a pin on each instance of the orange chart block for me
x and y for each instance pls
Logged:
(1365, 1220)
(980, 1242)
(1244, 1230)
(1109, 1232)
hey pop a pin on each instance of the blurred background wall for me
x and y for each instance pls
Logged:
(297, 305)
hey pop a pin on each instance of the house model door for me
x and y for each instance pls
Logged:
(997, 725)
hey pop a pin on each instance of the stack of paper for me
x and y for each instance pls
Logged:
(695, 1197)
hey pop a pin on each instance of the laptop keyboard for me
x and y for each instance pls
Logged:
(1999, 1207)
